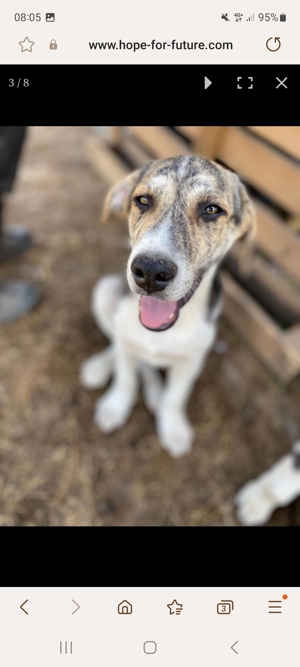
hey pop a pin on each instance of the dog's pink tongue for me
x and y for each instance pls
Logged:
(155, 314)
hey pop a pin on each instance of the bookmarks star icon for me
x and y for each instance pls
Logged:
(26, 45)
(175, 607)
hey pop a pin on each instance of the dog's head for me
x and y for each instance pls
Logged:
(184, 214)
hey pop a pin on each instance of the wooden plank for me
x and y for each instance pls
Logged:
(160, 141)
(259, 331)
(292, 337)
(192, 132)
(285, 138)
(277, 241)
(111, 134)
(262, 167)
(111, 168)
(268, 285)
(115, 136)
(209, 142)
(294, 224)
(136, 155)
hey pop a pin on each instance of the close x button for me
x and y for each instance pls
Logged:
(281, 82)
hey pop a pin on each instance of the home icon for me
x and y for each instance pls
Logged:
(125, 607)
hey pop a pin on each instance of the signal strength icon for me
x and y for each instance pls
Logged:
(251, 18)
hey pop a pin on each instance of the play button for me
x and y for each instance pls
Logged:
(207, 82)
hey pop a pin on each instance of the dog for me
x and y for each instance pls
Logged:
(184, 214)
(277, 487)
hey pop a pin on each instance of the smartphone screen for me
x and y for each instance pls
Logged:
(149, 333)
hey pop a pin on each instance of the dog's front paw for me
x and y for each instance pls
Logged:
(175, 432)
(96, 371)
(254, 504)
(111, 411)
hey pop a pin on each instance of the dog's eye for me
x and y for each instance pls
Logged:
(143, 201)
(212, 210)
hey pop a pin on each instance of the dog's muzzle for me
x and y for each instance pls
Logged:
(152, 275)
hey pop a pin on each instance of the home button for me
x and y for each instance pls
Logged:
(150, 647)
(125, 607)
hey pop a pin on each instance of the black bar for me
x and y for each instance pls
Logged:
(149, 94)
(95, 556)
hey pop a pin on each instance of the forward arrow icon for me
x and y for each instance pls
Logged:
(207, 82)
(77, 605)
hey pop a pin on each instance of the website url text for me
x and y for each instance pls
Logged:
(154, 45)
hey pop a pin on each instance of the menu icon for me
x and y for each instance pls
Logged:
(275, 606)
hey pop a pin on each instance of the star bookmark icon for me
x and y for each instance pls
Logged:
(175, 607)
(26, 45)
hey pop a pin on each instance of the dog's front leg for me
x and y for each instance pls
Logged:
(112, 410)
(174, 429)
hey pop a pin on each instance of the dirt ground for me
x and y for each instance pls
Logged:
(56, 468)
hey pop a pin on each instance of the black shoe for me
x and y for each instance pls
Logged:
(17, 298)
(13, 242)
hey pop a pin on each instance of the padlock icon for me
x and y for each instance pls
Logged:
(53, 44)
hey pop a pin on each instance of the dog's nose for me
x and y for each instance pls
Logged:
(153, 275)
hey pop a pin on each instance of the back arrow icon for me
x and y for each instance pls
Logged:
(77, 605)
(234, 648)
(21, 607)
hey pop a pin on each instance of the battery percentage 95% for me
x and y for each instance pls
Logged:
(268, 17)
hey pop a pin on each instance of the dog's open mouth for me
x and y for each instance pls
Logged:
(158, 315)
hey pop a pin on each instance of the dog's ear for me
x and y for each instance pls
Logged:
(118, 199)
(245, 220)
